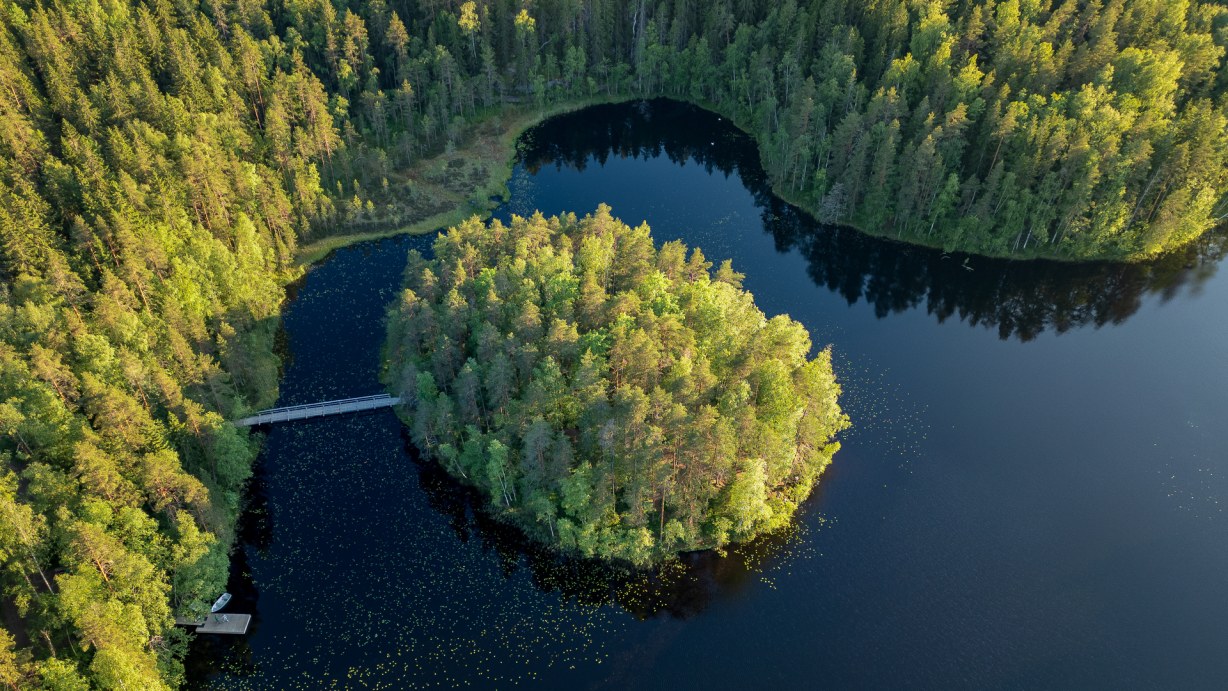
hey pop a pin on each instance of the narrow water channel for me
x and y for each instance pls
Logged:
(1032, 494)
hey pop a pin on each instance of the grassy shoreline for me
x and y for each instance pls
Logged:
(489, 145)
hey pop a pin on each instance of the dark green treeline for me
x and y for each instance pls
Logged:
(160, 161)
(611, 398)
(1074, 129)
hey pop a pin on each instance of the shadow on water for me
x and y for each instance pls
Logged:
(680, 588)
(1018, 299)
(209, 653)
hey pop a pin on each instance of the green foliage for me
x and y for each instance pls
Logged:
(148, 219)
(160, 162)
(1063, 129)
(658, 411)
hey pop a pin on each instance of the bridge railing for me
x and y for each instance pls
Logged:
(322, 404)
(309, 410)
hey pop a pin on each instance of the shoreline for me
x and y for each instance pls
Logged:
(492, 139)
(495, 148)
(793, 199)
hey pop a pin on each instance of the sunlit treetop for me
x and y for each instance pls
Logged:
(612, 398)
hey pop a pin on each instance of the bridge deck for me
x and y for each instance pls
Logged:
(302, 412)
(233, 624)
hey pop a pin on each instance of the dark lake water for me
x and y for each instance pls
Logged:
(1032, 494)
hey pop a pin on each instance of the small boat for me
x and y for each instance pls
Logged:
(221, 602)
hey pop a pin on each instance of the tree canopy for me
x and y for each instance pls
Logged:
(146, 232)
(612, 398)
(160, 163)
(1076, 129)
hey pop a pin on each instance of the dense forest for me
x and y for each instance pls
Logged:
(145, 236)
(1074, 129)
(161, 161)
(614, 399)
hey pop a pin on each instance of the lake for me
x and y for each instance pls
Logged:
(1032, 493)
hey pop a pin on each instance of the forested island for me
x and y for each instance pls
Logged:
(161, 164)
(610, 398)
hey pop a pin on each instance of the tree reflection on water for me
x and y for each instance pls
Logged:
(1018, 299)
(681, 588)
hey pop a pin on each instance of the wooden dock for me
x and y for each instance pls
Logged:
(232, 624)
(303, 412)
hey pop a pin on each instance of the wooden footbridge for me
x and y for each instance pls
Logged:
(303, 412)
